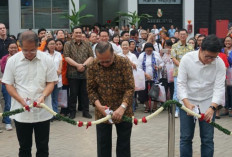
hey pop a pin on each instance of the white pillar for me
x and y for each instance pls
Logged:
(77, 4)
(132, 6)
(188, 14)
(14, 16)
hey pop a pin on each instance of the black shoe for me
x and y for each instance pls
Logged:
(87, 115)
(72, 115)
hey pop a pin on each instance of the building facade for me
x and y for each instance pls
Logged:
(206, 15)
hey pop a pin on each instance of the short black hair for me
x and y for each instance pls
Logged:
(123, 41)
(47, 42)
(124, 32)
(12, 36)
(41, 29)
(76, 27)
(59, 30)
(168, 42)
(101, 47)
(183, 30)
(134, 32)
(148, 45)
(104, 30)
(211, 43)
(12, 42)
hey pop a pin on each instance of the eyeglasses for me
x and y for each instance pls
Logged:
(210, 57)
(207, 57)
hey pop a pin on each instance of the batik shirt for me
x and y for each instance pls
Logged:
(178, 51)
(111, 85)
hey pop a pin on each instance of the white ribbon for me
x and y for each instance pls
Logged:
(109, 112)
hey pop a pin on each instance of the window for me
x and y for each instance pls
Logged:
(4, 12)
(44, 14)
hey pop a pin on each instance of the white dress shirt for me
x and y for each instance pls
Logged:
(57, 58)
(29, 79)
(202, 84)
(117, 49)
(159, 62)
(132, 57)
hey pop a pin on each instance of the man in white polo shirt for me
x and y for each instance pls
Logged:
(31, 75)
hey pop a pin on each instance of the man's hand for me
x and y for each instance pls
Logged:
(40, 100)
(209, 114)
(189, 106)
(23, 102)
(80, 68)
(117, 115)
(102, 110)
(44, 39)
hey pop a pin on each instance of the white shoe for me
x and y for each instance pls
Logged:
(9, 127)
(176, 115)
(1, 130)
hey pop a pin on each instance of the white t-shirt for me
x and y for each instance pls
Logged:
(29, 79)
(156, 32)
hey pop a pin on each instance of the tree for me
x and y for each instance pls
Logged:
(133, 18)
(75, 17)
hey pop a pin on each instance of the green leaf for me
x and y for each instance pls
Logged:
(74, 6)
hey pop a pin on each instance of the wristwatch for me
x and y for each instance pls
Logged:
(124, 106)
(214, 108)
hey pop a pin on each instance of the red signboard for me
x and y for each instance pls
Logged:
(204, 31)
(221, 28)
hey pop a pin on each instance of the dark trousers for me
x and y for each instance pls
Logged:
(24, 133)
(78, 88)
(104, 139)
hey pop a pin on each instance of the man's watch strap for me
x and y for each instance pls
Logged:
(214, 108)
(124, 106)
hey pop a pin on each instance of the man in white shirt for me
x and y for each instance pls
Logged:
(201, 84)
(104, 36)
(31, 75)
(155, 31)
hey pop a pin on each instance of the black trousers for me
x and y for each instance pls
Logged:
(167, 86)
(24, 133)
(78, 88)
(104, 139)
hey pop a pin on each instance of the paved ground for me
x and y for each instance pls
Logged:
(149, 139)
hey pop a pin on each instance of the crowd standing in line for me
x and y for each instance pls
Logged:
(85, 62)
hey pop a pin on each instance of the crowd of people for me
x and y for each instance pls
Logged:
(95, 66)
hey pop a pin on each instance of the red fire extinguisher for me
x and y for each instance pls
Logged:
(189, 27)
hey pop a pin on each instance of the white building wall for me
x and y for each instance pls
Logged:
(188, 14)
(14, 17)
